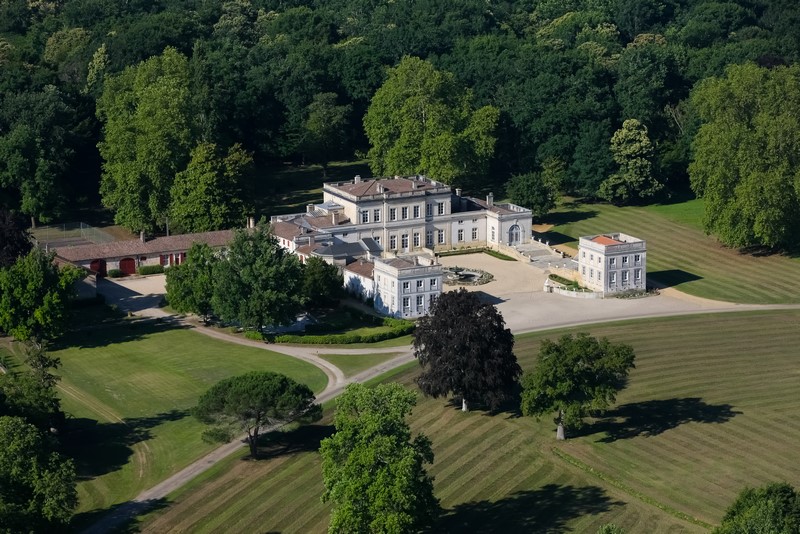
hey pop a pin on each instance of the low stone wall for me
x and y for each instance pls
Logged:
(569, 274)
(573, 294)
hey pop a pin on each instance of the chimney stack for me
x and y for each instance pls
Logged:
(334, 218)
(380, 188)
(309, 208)
(357, 179)
(141, 236)
(458, 191)
(251, 222)
(490, 199)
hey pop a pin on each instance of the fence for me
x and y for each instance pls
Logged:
(69, 234)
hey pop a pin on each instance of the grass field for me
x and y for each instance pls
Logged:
(352, 364)
(708, 410)
(680, 255)
(128, 389)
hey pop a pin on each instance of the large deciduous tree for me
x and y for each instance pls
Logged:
(324, 130)
(373, 471)
(575, 376)
(34, 293)
(208, 194)
(745, 163)
(422, 121)
(323, 284)
(633, 153)
(14, 238)
(258, 283)
(465, 349)
(190, 285)
(773, 509)
(538, 191)
(147, 136)
(37, 485)
(252, 402)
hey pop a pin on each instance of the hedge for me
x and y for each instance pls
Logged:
(115, 273)
(254, 335)
(345, 339)
(151, 269)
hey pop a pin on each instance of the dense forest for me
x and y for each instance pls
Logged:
(136, 104)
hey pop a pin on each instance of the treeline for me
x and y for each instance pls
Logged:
(513, 88)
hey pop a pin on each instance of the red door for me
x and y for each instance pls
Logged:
(127, 265)
(98, 266)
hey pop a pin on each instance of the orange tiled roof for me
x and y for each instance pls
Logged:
(605, 240)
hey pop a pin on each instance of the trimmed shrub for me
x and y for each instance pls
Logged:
(255, 336)
(151, 269)
(498, 255)
(345, 339)
(115, 273)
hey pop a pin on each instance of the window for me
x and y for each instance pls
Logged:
(492, 233)
(612, 278)
(599, 275)
(433, 283)
(637, 275)
(377, 239)
(420, 302)
(460, 235)
(416, 239)
(404, 211)
(474, 220)
(393, 242)
(392, 301)
(591, 257)
(364, 216)
(624, 262)
(474, 234)
(624, 276)
(392, 284)
(637, 258)
(583, 270)
(461, 221)
(612, 262)
(406, 287)
(429, 238)
(428, 210)
(416, 212)
(406, 303)
(404, 241)
(440, 236)
(440, 208)
(420, 285)
(591, 273)
(376, 215)
(583, 254)
(392, 214)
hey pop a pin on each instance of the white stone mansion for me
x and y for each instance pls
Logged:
(610, 263)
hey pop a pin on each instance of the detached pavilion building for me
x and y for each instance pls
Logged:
(611, 263)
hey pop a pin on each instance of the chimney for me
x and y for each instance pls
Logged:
(357, 179)
(251, 222)
(396, 176)
(309, 208)
(334, 218)
(380, 188)
(490, 199)
(141, 236)
(458, 191)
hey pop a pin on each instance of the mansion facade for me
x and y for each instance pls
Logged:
(384, 232)
(610, 263)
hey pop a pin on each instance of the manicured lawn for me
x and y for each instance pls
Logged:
(352, 364)
(680, 255)
(709, 409)
(128, 389)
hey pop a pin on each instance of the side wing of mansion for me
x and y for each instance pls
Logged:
(408, 218)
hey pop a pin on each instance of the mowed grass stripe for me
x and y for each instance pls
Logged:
(696, 467)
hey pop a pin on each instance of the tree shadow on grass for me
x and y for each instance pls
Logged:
(121, 332)
(305, 438)
(672, 277)
(120, 518)
(554, 238)
(558, 218)
(100, 448)
(547, 509)
(651, 418)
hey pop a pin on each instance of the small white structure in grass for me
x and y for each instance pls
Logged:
(611, 263)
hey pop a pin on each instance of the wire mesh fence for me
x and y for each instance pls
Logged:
(69, 234)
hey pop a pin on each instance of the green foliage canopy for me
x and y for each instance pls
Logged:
(322, 282)
(373, 471)
(575, 376)
(252, 402)
(190, 285)
(538, 191)
(771, 509)
(34, 293)
(745, 162)
(633, 152)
